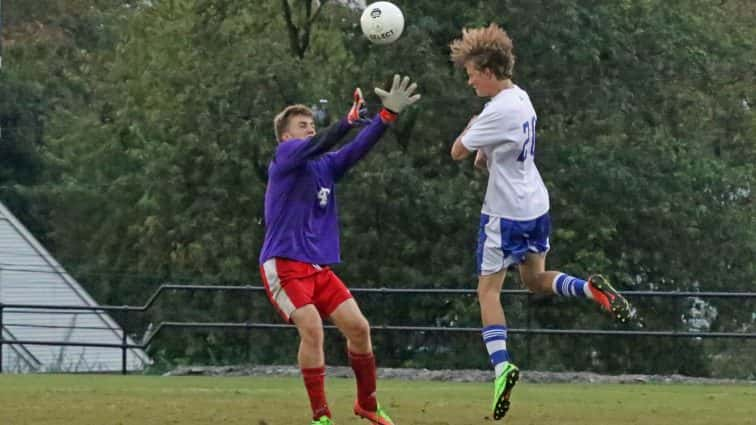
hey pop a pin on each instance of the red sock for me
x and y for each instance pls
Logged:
(314, 379)
(363, 366)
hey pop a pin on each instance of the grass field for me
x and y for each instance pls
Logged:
(113, 400)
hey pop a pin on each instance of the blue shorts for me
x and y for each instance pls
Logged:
(503, 242)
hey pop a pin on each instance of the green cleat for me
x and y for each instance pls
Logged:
(503, 390)
(379, 417)
(324, 420)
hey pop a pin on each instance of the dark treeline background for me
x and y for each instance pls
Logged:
(136, 135)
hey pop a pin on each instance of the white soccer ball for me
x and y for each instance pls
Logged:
(382, 22)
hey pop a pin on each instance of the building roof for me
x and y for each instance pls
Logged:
(30, 275)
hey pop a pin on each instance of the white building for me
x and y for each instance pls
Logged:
(30, 275)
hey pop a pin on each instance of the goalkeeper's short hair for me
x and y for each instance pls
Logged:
(281, 121)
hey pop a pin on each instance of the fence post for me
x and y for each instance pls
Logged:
(2, 308)
(124, 339)
(249, 328)
(528, 336)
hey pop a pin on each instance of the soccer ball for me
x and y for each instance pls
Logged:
(382, 22)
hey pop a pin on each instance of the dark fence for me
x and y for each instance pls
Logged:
(122, 312)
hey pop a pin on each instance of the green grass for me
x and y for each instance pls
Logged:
(113, 400)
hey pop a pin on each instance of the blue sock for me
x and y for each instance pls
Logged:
(495, 338)
(565, 285)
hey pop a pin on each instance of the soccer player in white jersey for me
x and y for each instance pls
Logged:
(514, 223)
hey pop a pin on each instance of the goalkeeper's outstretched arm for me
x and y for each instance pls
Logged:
(400, 96)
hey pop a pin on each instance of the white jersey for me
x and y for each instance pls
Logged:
(505, 132)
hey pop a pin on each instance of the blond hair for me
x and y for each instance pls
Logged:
(281, 121)
(486, 48)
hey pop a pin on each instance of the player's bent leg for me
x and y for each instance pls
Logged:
(352, 323)
(597, 287)
(312, 360)
(310, 328)
(349, 319)
(533, 273)
(503, 390)
(610, 300)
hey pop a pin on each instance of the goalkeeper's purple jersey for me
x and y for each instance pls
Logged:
(301, 215)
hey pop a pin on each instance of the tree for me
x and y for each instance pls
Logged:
(22, 110)
(299, 34)
(158, 131)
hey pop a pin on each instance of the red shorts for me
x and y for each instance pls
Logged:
(291, 284)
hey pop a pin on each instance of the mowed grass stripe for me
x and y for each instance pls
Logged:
(139, 400)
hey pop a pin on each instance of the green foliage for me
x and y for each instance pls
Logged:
(22, 109)
(143, 132)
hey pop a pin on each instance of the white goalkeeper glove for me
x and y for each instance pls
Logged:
(398, 98)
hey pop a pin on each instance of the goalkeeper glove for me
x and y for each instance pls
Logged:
(399, 97)
(358, 114)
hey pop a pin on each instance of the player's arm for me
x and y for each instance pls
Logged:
(293, 153)
(324, 140)
(394, 101)
(351, 153)
(487, 129)
(458, 150)
(357, 115)
(481, 161)
(296, 152)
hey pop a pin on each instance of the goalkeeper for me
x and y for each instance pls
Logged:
(302, 240)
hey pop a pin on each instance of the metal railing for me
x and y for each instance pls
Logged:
(124, 311)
